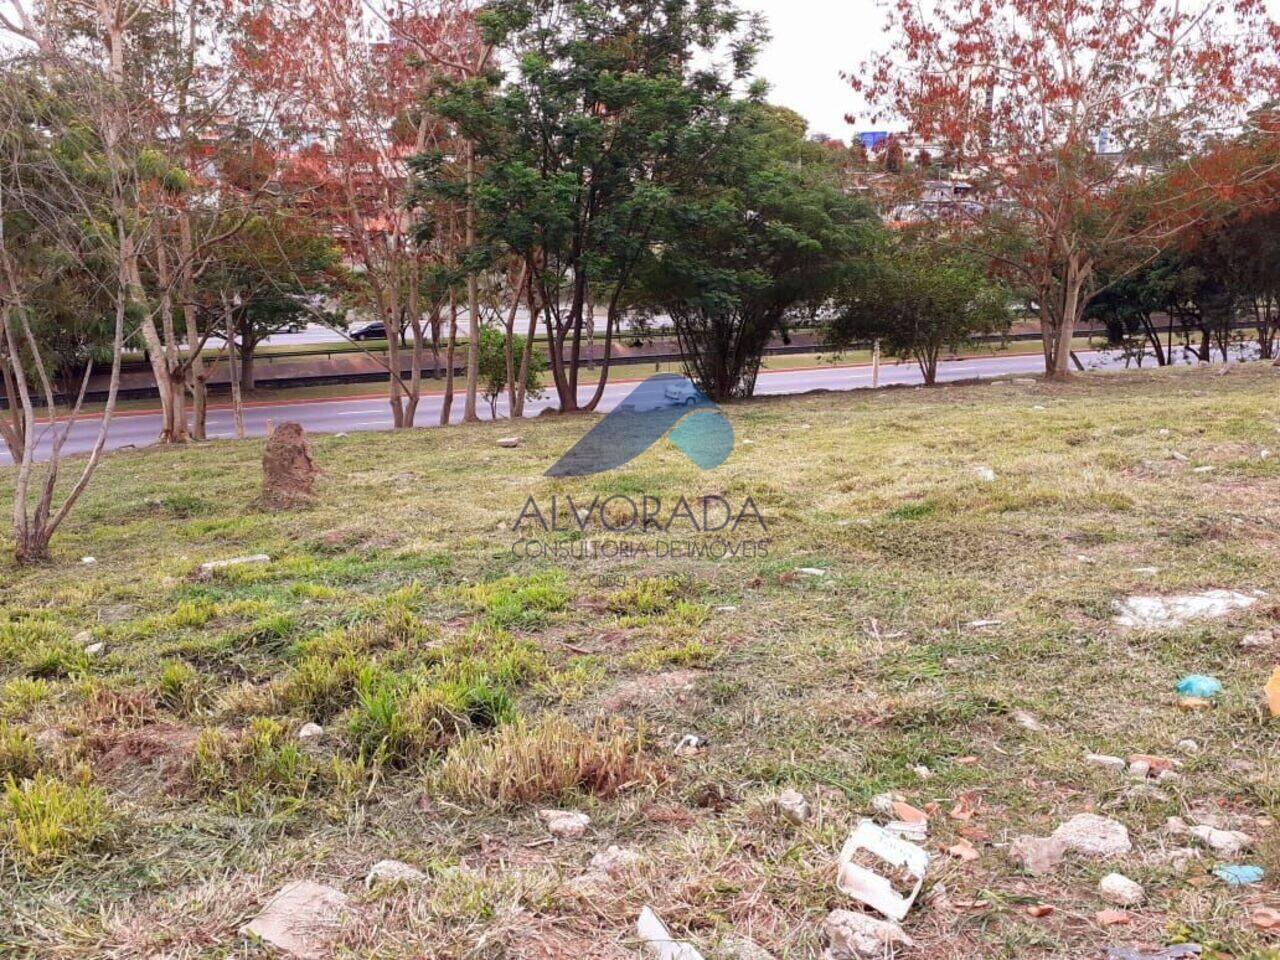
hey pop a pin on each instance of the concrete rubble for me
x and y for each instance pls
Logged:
(565, 824)
(393, 871)
(1153, 612)
(300, 920)
(851, 936)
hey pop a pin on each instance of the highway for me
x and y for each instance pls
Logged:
(351, 414)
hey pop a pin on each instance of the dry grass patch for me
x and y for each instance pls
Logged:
(540, 761)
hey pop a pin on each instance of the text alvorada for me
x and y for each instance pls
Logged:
(621, 513)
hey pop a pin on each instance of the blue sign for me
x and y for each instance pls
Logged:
(664, 405)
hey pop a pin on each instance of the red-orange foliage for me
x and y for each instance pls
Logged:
(1059, 109)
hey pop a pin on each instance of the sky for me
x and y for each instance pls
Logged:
(813, 40)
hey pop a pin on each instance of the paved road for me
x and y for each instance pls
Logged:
(373, 413)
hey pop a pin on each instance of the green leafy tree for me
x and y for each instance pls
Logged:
(919, 297)
(493, 367)
(762, 237)
(583, 146)
(273, 275)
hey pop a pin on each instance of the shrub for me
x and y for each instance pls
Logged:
(520, 601)
(523, 763)
(17, 753)
(645, 596)
(46, 820)
(179, 685)
(259, 760)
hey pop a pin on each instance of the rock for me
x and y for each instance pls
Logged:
(300, 920)
(691, 745)
(1118, 889)
(1188, 746)
(94, 649)
(1139, 769)
(310, 730)
(1148, 612)
(882, 803)
(614, 861)
(792, 806)
(985, 474)
(734, 947)
(1258, 640)
(1226, 842)
(509, 442)
(1111, 918)
(213, 566)
(1038, 855)
(1027, 721)
(921, 771)
(964, 850)
(853, 935)
(88, 561)
(1093, 835)
(1104, 760)
(393, 871)
(288, 472)
(565, 824)
(1175, 826)
(1265, 918)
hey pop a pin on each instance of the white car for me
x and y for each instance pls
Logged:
(684, 393)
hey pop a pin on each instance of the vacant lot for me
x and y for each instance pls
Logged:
(954, 643)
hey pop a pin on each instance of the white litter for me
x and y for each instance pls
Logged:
(1156, 612)
(657, 938)
(213, 565)
(871, 888)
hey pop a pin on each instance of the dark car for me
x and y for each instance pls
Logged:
(373, 330)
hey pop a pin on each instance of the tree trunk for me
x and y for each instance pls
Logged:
(446, 404)
(12, 427)
(233, 372)
(469, 414)
(526, 355)
(1072, 307)
(248, 348)
(195, 346)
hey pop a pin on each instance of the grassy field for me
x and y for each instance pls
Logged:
(159, 793)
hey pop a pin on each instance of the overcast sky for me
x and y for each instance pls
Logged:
(813, 40)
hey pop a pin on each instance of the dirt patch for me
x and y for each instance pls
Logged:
(159, 752)
(642, 691)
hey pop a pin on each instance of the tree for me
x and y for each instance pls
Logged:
(921, 295)
(495, 367)
(761, 236)
(358, 75)
(1054, 107)
(71, 170)
(273, 276)
(581, 147)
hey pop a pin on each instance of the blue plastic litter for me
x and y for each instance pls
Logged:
(1199, 685)
(1239, 875)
